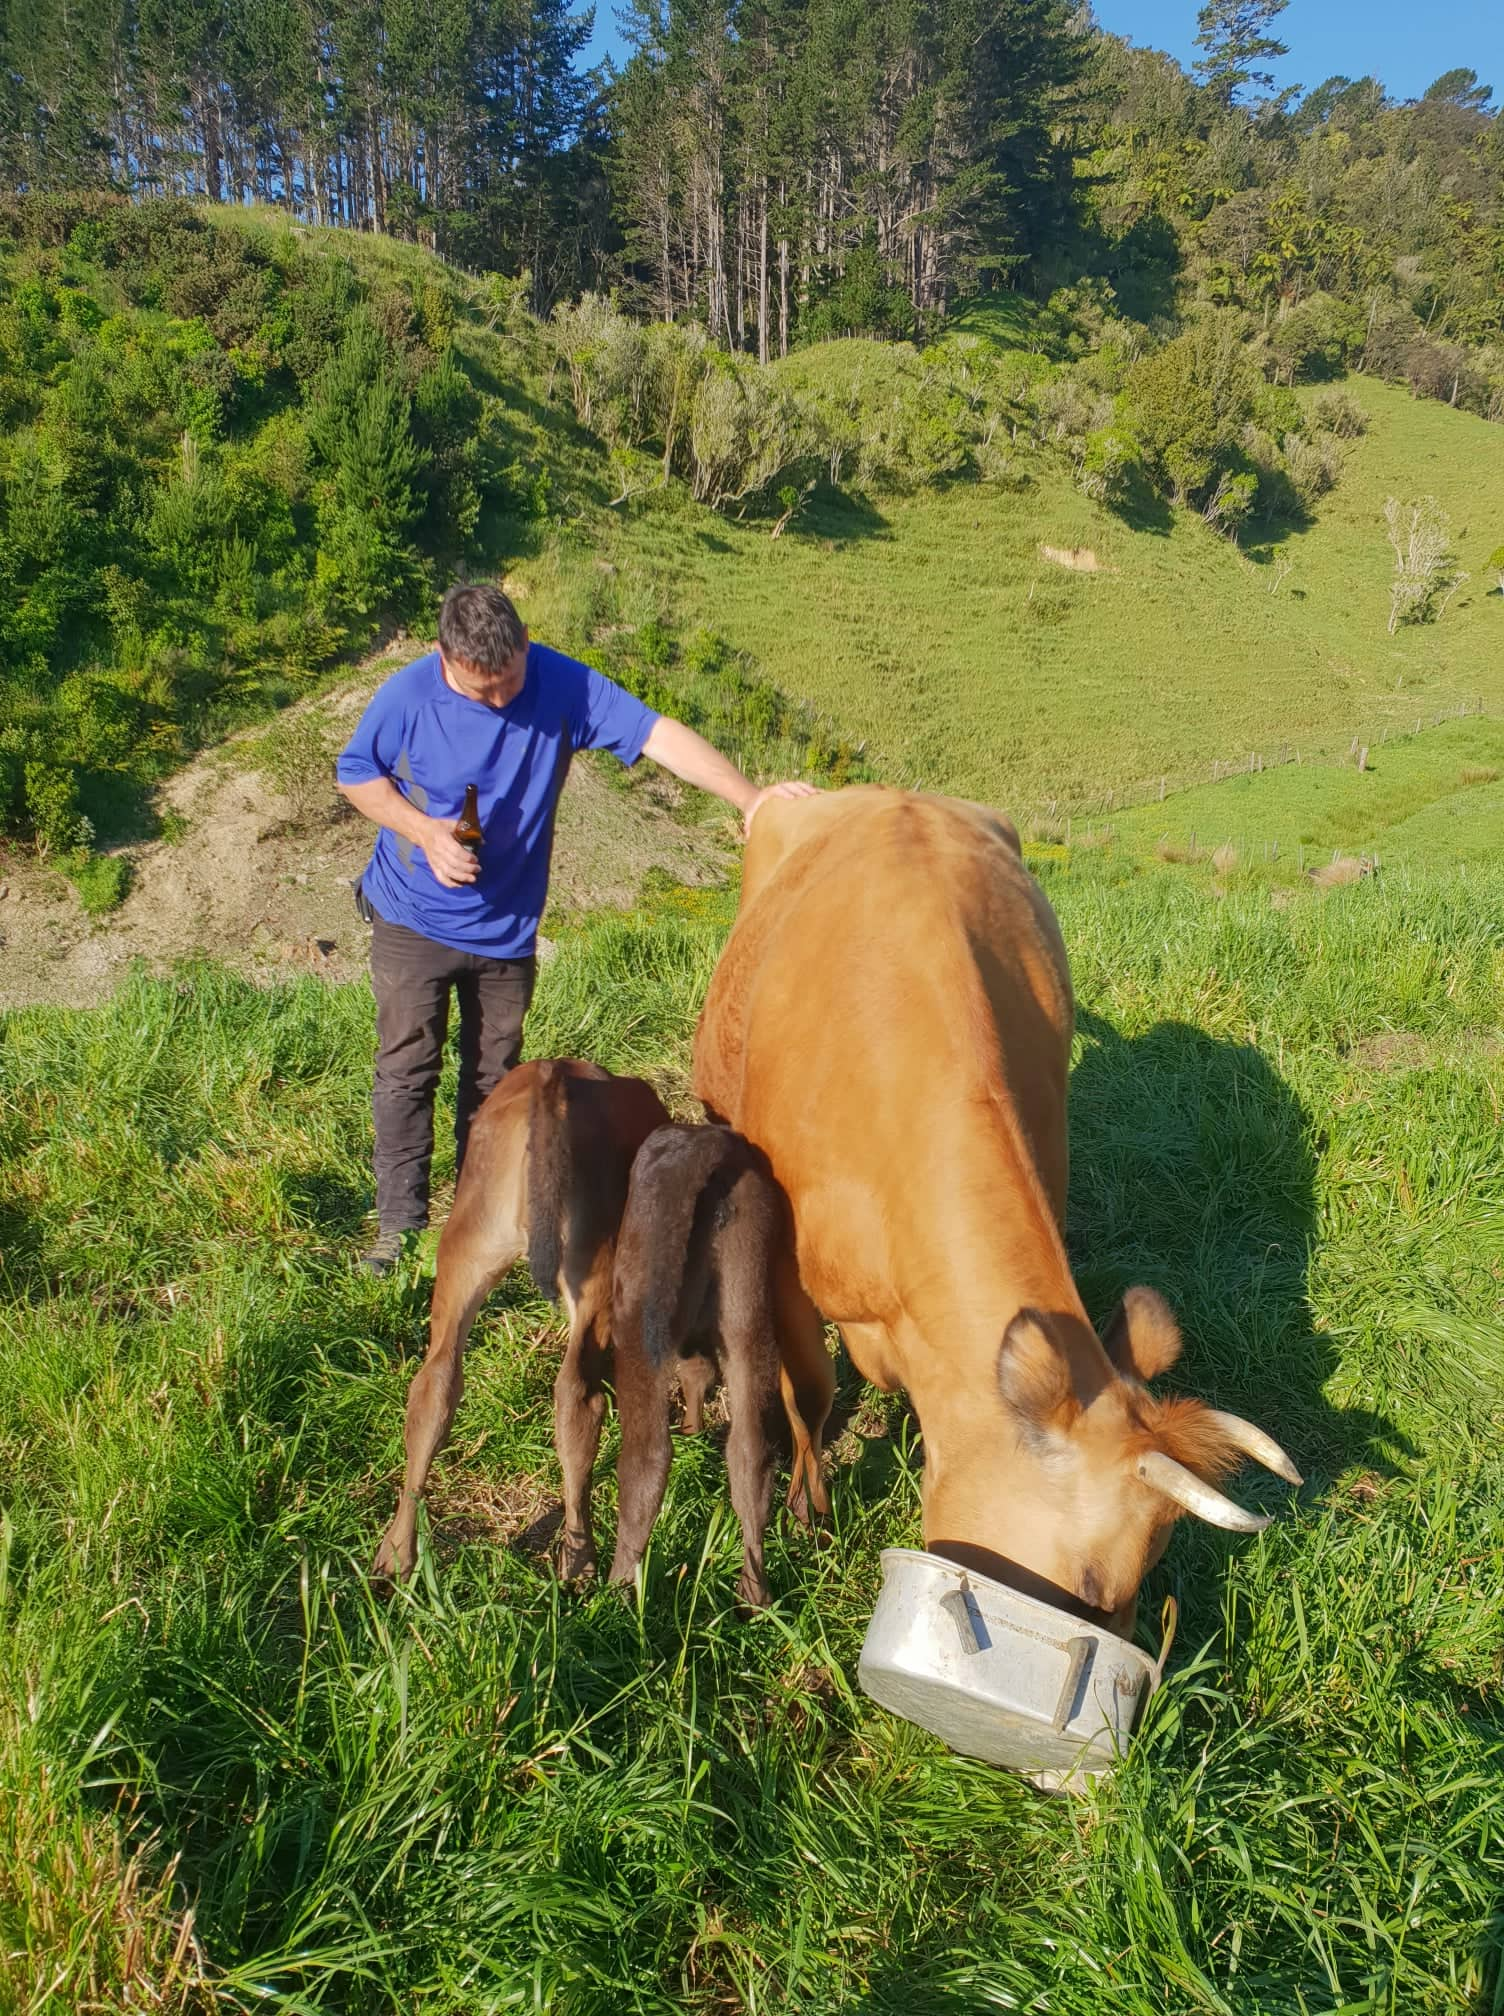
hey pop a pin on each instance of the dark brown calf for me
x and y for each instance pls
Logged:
(546, 1170)
(693, 1297)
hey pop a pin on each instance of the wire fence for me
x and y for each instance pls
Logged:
(1077, 809)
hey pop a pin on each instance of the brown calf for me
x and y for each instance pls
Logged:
(693, 1297)
(546, 1170)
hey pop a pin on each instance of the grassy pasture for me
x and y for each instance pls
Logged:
(933, 625)
(493, 1795)
(1432, 800)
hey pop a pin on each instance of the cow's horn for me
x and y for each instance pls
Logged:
(1255, 1443)
(1187, 1489)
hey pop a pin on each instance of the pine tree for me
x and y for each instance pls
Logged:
(1235, 35)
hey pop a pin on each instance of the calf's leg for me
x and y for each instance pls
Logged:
(481, 1240)
(808, 1382)
(752, 1387)
(696, 1381)
(642, 1466)
(579, 1406)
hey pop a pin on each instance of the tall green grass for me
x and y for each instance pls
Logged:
(490, 1794)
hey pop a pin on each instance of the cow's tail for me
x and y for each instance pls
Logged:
(550, 1156)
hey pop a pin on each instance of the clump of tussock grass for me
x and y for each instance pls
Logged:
(1477, 773)
(378, 1805)
(1178, 852)
(1343, 869)
(1225, 858)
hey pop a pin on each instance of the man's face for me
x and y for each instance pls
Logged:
(495, 689)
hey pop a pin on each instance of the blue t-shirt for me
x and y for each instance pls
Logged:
(431, 742)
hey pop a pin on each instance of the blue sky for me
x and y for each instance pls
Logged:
(1402, 43)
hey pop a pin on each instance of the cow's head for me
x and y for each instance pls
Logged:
(1081, 1506)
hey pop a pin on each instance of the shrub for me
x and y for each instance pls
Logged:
(1315, 340)
(102, 880)
(1231, 503)
(1188, 405)
(50, 792)
(296, 757)
(1426, 575)
(745, 432)
(1313, 465)
(1337, 412)
(1495, 565)
(1109, 462)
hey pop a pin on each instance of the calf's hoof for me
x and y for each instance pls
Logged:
(752, 1591)
(576, 1561)
(394, 1560)
(624, 1571)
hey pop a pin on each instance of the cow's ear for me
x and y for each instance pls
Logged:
(1143, 1338)
(1034, 1376)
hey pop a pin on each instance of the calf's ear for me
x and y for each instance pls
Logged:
(1034, 1377)
(1143, 1338)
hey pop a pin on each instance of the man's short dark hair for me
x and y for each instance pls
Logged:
(479, 627)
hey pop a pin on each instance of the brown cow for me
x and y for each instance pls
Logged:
(693, 1295)
(546, 1170)
(891, 1023)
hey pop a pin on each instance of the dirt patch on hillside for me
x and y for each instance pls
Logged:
(1080, 559)
(265, 886)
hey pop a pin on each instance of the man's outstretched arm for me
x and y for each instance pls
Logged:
(690, 757)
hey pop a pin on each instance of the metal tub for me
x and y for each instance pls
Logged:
(999, 1676)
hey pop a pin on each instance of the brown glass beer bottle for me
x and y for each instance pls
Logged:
(467, 828)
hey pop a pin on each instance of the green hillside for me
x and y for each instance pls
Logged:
(932, 624)
(239, 451)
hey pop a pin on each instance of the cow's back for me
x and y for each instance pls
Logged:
(891, 1015)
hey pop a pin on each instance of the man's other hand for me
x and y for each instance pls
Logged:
(454, 866)
(792, 789)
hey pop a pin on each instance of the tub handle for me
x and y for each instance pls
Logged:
(958, 1609)
(1078, 1652)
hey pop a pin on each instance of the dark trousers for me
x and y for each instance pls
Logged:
(411, 977)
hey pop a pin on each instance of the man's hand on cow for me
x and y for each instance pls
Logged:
(792, 789)
(454, 866)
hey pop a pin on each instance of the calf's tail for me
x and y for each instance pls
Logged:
(549, 1170)
(668, 1203)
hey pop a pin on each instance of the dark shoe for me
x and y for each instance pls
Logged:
(386, 1250)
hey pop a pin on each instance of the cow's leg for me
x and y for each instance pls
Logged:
(696, 1382)
(481, 1240)
(808, 1382)
(579, 1409)
(642, 1467)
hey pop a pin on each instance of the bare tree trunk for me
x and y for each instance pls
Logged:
(213, 144)
(762, 276)
(783, 297)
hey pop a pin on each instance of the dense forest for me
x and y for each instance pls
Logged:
(779, 170)
(233, 450)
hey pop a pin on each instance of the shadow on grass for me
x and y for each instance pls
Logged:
(841, 516)
(1142, 509)
(1193, 1170)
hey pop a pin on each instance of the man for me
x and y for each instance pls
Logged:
(492, 709)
